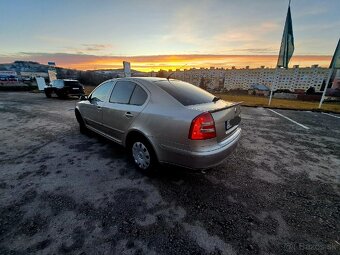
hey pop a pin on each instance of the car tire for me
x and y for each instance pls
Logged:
(48, 94)
(143, 155)
(61, 94)
(82, 127)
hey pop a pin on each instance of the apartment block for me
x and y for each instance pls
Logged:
(229, 79)
(292, 78)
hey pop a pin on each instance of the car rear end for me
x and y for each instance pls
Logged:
(214, 134)
(209, 135)
(73, 88)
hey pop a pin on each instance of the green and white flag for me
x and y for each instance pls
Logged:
(287, 43)
(335, 63)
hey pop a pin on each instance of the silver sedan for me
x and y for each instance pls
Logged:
(162, 120)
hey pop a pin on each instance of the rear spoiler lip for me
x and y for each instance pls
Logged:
(227, 107)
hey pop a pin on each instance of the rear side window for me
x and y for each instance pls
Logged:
(139, 96)
(122, 92)
(185, 93)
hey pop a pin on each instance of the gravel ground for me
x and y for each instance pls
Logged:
(62, 192)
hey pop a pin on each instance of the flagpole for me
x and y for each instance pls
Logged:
(335, 64)
(325, 89)
(271, 94)
(273, 84)
(276, 73)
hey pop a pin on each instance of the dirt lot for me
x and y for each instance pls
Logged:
(65, 192)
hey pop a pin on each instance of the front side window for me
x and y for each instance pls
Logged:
(100, 93)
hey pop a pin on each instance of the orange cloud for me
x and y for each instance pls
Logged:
(148, 63)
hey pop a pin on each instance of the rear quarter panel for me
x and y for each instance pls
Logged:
(165, 121)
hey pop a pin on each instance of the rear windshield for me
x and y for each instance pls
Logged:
(185, 93)
(71, 83)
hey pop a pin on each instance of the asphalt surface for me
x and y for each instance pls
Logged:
(62, 192)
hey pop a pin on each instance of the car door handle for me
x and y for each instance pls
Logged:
(128, 115)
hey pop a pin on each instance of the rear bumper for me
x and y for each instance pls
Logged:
(65, 91)
(202, 159)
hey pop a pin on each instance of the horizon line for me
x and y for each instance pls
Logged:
(163, 62)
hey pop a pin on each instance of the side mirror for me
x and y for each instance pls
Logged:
(83, 98)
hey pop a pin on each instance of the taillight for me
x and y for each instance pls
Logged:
(202, 127)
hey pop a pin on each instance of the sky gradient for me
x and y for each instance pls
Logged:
(86, 34)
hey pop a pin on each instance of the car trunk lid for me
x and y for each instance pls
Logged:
(73, 87)
(72, 84)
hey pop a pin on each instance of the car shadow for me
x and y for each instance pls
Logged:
(115, 150)
(69, 98)
(161, 171)
(175, 173)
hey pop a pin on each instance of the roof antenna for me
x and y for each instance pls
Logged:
(175, 71)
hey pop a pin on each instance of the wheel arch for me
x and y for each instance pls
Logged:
(132, 134)
(78, 115)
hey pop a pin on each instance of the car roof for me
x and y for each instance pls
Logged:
(142, 79)
(65, 80)
(150, 79)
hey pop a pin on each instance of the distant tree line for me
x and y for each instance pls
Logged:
(89, 78)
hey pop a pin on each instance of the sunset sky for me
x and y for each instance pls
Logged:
(154, 34)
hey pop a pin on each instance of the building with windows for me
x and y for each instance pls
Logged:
(27, 74)
(212, 78)
(231, 79)
(8, 76)
(290, 79)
